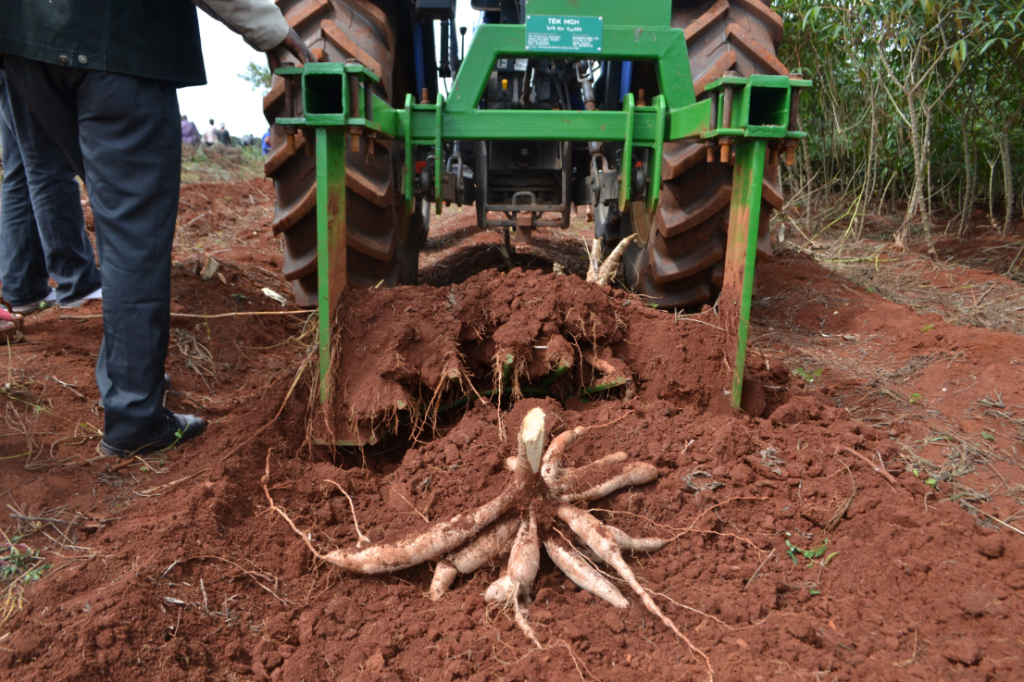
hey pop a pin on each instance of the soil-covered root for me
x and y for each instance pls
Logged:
(570, 478)
(551, 468)
(521, 571)
(443, 537)
(484, 532)
(485, 548)
(602, 542)
(570, 562)
(603, 273)
(634, 473)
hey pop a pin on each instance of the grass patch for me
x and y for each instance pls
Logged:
(19, 565)
(220, 164)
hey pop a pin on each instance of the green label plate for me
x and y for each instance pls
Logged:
(564, 34)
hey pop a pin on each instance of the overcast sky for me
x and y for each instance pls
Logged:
(228, 99)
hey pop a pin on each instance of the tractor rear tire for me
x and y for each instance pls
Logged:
(680, 259)
(383, 241)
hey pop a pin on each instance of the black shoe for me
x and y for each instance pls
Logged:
(178, 428)
(163, 397)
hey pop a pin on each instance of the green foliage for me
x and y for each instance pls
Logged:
(930, 481)
(19, 562)
(933, 86)
(810, 554)
(258, 76)
(808, 375)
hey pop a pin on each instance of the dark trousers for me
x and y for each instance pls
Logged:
(42, 233)
(121, 134)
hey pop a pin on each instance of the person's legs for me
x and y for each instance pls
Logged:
(125, 131)
(129, 135)
(57, 206)
(23, 276)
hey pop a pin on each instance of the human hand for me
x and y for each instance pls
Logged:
(293, 43)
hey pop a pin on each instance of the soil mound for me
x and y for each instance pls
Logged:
(410, 354)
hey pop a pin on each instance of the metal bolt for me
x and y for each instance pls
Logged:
(63, 59)
(82, 59)
(727, 102)
(727, 107)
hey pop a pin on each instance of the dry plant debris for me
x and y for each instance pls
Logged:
(536, 508)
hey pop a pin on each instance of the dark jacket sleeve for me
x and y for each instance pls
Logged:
(156, 39)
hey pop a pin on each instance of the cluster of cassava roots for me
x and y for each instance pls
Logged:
(541, 494)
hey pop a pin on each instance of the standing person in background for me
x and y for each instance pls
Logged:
(266, 142)
(189, 132)
(100, 79)
(42, 230)
(223, 136)
(210, 136)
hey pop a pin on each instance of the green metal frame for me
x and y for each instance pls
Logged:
(760, 111)
(337, 101)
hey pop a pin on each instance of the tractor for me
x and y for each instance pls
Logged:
(666, 117)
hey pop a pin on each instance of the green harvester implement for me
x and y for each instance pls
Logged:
(746, 121)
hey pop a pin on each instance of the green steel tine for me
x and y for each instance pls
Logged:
(741, 250)
(405, 119)
(659, 143)
(627, 152)
(439, 155)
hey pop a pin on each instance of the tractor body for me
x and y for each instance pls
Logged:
(556, 103)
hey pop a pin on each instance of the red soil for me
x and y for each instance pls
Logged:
(178, 572)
